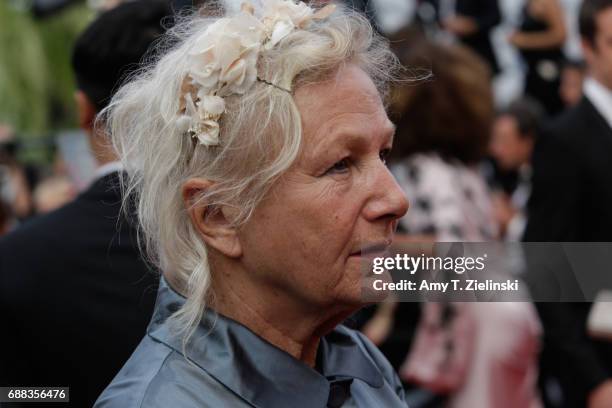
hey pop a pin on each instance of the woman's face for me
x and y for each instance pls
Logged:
(305, 238)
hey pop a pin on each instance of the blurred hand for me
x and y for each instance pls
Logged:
(601, 397)
(460, 25)
(515, 39)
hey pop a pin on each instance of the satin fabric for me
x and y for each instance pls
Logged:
(227, 365)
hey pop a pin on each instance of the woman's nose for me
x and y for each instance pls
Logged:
(388, 201)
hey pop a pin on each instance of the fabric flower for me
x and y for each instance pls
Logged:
(211, 106)
(242, 73)
(205, 68)
(207, 133)
(277, 10)
(223, 61)
(280, 30)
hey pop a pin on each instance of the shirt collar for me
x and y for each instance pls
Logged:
(232, 353)
(108, 168)
(601, 97)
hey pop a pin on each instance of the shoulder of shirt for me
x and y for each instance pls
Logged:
(129, 387)
(157, 376)
(372, 352)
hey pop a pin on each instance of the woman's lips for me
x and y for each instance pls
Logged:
(372, 251)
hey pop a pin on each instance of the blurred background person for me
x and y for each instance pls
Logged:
(52, 193)
(443, 130)
(76, 297)
(572, 80)
(570, 202)
(14, 186)
(471, 22)
(540, 39)
(513, 136)
(468, 21)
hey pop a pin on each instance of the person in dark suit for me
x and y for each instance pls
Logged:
(571, 201)
(75, 296)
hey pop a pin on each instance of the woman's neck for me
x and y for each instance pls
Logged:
(275, 316)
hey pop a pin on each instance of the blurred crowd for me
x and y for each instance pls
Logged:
(479, 160)
(536, 37)
(551, 82)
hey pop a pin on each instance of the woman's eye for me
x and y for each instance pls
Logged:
(384, 154)
(340, 166)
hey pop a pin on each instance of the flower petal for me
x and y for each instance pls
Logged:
(227, 50)
(212, 104)
(235, 72)
(209, 134)
(248, 28)
(207, 78)
(281, 29)
(183, 123)
(324, 12)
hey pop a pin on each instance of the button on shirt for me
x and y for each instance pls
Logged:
(230, 366)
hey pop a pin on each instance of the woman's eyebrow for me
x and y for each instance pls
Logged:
(351, 137)
(342, 139)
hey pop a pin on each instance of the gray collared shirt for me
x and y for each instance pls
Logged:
(230, 366)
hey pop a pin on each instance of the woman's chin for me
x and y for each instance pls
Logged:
(373, 287)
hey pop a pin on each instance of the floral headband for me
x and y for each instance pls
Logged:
(223, 61)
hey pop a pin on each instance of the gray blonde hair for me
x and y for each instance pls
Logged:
(260, 137)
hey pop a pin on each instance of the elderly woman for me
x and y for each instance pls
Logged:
(255, 150)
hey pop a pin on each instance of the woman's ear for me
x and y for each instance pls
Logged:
(214, 226)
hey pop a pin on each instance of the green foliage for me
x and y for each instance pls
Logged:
(36, 81)
(58, 35)
(24, 72)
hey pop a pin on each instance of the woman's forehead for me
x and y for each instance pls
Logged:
(348, 81)
(348, 97)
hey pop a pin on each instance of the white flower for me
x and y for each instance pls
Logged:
(239, 76)
(211, 106)
(280, 30)
(227, 50)
(223, 61)
(284, 16)
(248, 28)
(205, 68)
(183, 123)
(276, 10)
(207, 38)
(208, 133)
